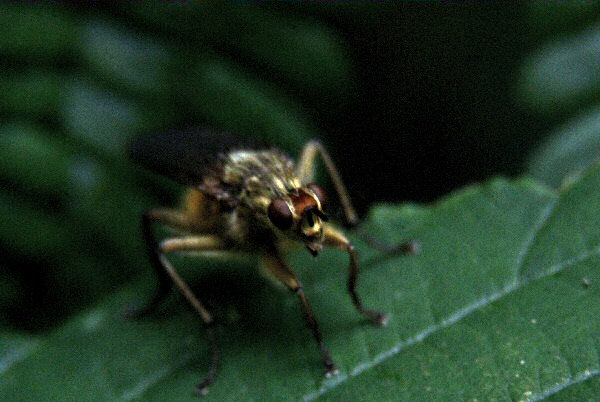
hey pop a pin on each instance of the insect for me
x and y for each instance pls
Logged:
(248, 198)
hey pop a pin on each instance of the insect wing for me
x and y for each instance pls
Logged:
(189, 155)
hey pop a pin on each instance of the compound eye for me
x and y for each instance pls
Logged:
(320, 193)
(280, 215)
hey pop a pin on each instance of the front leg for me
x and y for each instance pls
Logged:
(306, 171)
(275, 267)
(335, 238)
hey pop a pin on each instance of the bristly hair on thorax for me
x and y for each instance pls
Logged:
(268, 172)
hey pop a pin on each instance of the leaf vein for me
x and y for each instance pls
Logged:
(586, 375)
(460, 314)
(16, 355)
(537, 228)
(145, 383)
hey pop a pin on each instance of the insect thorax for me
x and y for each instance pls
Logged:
(259, 177)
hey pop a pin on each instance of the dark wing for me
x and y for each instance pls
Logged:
(188, 155)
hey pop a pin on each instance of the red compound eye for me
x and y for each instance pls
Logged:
(320, 193)
(280, 215)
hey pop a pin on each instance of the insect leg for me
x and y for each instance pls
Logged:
(335, 238)
(408, 247)
(277, 268)
(167, 217)
(194, 243)
(306, 169)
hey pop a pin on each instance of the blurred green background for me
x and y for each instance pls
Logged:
(412, 100)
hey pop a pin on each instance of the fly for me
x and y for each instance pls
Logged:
(248, 198)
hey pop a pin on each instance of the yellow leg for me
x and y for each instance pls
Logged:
(306, 169)
(335, 238)
(277, 268)
(175, 219)
(194, 243)
(168, 217)
(188, 243)
(166, 271)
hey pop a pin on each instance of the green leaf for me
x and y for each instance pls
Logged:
(134, 62)
(309, 55)
(35, 94)
(22, 143)
(93, 116)
(37, 33)
(563, 75)
(558, 17)
(494, 307)
(568, 150)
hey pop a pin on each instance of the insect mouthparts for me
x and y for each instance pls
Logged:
(309, 216)
(314, 210)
